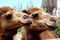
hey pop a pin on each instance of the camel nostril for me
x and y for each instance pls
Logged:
(34, 15)
(25, 16)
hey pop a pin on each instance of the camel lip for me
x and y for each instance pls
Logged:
(27, 25)
(20, 22)
(52, 27)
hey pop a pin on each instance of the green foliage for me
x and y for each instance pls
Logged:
(58, 29)
(21, 30)
(58, 23)
(57, 32)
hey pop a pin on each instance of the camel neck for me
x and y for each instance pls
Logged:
(33, 35)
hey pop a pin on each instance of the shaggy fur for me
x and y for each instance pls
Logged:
(30, 10)
(4, 10)
(42, 26)
(10, 21)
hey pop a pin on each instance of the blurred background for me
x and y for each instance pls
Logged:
(50, 6)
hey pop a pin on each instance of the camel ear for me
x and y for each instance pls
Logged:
(25, 11)
(4, 10)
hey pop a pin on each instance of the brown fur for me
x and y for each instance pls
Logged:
(48, 34)
(3, 33)
(4, 10)
(10, 21)
(30, 10)
(40, 27)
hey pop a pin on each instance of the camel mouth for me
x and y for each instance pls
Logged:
(52, 27)
(28, 23)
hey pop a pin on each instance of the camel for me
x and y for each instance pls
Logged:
(10, 21)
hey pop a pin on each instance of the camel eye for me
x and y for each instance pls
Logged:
(24, 11)
(25, 16)
(9, 16)
(35, 15)
(5, 11)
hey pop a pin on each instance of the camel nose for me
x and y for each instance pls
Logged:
(29, 22)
